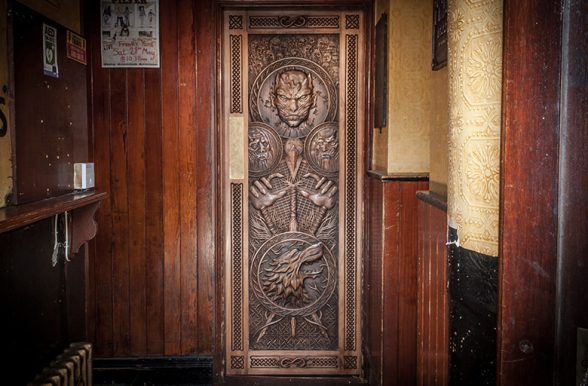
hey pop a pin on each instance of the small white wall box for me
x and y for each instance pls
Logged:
(83, 175)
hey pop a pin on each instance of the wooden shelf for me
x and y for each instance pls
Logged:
(14, 217)
(81, 205)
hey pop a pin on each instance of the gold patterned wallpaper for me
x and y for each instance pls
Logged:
(409, 88)
(5, 142)
(475, 81)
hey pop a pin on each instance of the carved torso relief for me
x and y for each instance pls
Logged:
(293, 192)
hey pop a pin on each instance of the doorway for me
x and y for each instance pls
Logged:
(292, 140)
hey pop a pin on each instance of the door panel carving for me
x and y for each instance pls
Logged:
(292, 256)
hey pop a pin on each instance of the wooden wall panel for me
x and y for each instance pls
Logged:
(152, 281)
(187, 166)
(171, 187)
(528, 246)
(205, 150)
(433, 315)
(154, 214)
(573, 206)
(136, 224)
(544, 258)
(373, 280)
(50, 113)
(392, 280)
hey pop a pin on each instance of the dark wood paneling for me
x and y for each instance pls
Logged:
(152, 281)
(42, 304)
(171, 181)
(136, 170)
(433, 315)
(573, 293)
(528, 235)
(374, 280)
(154, 213)
(187, 109)
(100, 307)
(205, 125)
(392, 280)
(51, 131)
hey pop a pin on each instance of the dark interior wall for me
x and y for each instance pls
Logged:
(572, 202)
(391, 279)
(42, 304)
(543, 247)
(432, 292)
(152, 275)
(50, 124)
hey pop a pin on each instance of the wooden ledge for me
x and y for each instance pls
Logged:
(433, 199)
(385, 177)
(82, 205)
(18, 216)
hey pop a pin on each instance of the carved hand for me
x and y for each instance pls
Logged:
(325, 196)
(261, 196)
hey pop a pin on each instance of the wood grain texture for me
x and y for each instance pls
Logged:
(187, 177)
(136, 204)
(100, 314)
(205, 171)
(154, 213)
(573, 207)
(392, 278)
(433, 315)
(530, 141)
(120, 212)
(171, 198)
(50, 112)
(152, 271)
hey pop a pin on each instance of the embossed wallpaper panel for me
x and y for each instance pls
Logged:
(475, 86)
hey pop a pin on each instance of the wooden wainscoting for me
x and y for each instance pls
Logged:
(152, 271)
(391, 278)
(432, 327)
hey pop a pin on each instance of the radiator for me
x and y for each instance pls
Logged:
(73, 367)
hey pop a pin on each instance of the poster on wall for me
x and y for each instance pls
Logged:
(50, 51)
(130, 33)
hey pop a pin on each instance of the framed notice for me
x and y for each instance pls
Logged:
(130, 33)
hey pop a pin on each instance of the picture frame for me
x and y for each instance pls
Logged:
(439, 57)
(381, 62)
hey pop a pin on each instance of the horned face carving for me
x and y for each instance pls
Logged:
(325, 149)
(293, 96)
(285, 277)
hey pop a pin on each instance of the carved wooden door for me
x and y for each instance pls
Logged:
(293, 105)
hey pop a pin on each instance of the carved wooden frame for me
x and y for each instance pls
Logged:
(240, 359)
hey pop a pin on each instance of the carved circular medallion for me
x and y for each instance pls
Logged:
(293, 95)
(322, 149)
(264, 148)
(293, 274)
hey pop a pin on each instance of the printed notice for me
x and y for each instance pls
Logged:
(76, 47)
(130, 33)
(50, 51)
